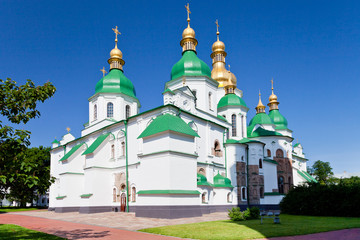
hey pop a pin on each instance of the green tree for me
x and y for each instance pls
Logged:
(322, 172)
(18, 105)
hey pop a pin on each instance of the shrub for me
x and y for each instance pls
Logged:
(254, 213)
(246, 214)
(236, 215)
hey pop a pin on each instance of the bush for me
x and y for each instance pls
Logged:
(340, 200)
(246, 214)
(236, 215)
(254, 213)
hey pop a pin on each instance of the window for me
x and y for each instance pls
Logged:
(133, 194)
(203, 197)
(242, 126)
(233, 125)
(112, 151)
(114, 195)
(242, 158)
(194, 92)
(281, 184)
(127, 111)
(279, 153)
(268, 153)
(95, 112)
(261, 192)
(210, 101)
(217, 150)
(229, 198)
(202, 171)
(243, 193)
(122, 187)
(122, 148)
(110, 110)
(260, 163)
(290, 183)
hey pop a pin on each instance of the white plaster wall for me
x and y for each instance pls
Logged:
(270, 176)
(159, 199)
(271, 199)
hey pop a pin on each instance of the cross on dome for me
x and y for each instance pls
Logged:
(188, 13)
(116, 31)
(103, 71)
(217, 29)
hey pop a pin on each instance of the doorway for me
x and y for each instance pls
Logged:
(123, 202)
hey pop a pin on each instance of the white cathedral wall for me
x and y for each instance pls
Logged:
(276, 199)
(97, 181)
(270, 176)
(255, 153)
(220, 196)
(71, 186)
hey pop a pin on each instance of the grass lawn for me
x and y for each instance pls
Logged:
(290, 225)
(17, 209)
(9, 231)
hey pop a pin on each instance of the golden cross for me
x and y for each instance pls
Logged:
(259, 94)
(188, 12)
(116, 31)
(103, 71)
(229, 67)
(217, 29)
(272, 84)
(68, 129)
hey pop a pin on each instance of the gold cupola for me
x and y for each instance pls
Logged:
(115, 59)
(260, 108)
(273, 102)
(230, 84)
(188, 41)
(219, 72)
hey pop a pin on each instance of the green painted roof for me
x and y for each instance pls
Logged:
(261, 132)
(168, 90)
(187, 192)
(71, 152)
(304, 176)
(260, 118)
(115, 82)
(270, 161)
(96, 143)
(278, 119)
(55, 141)
(309, 176)
(168, 122)
(220, 181)
(244, 140)
(222, 118)
(202, 180)
(231, 99)
(190, 65)
(297, 144)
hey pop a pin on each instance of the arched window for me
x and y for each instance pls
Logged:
(114, 195)
(217, 150)
(229, 198)
(281, 184)
(122, 187)
(194, 92)
(243, 193)
(242, 158)
(268, 153)
(210, 101)
(122, 148)
(261, 192)
(133, 194)
(202, 171)
(110, 110)
(279, 153)
(260, 163)
(112, 151)
(203, 197)
(95, 112)
(127, 111)
(233, 125)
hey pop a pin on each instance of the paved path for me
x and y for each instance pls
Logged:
(76, 230)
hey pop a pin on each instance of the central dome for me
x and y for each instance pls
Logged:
(190, 65)
(115, 82)
(231, 99)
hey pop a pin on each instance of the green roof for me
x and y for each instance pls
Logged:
(297, 144)
(202, 180)
(168, 90)
(168, 122)
(270, 161)
(115, 82)
(278, 119)
(261, 132)
(244, 140)
(55, 141)
(71, 152)
(222, 118)
(304, 176)
(260, 118)
(231, 99)
(187, 192)
(220, 181)
(96, 143)
(309, 176)
(190, 65)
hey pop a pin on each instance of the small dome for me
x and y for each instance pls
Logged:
(220, 74)
(278, 119)
(260, 118)
(190, 65)
(188, 33)
(218, 46)
(220, 181)
(273, 98)
(116, 53)
(231, 99)
(232, 79)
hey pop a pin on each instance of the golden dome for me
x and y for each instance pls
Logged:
(218, 46)
(232, 79)
(273, 97)
(220, 74)
(116, 53)
(188, 33)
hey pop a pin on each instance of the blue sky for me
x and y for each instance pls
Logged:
(310, 48)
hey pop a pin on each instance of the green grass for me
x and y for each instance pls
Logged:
(290, 225)
(17, 209)
(9, 231)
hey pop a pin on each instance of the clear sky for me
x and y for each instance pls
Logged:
(310, 48)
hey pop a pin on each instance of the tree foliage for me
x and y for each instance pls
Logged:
(322, 172)
(18, 105)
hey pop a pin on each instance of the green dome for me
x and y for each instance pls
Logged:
(115, 82)
(202, 180)
(190, 65)
(231, 99)
(220, 181)
(260, 118)
(278, 119)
